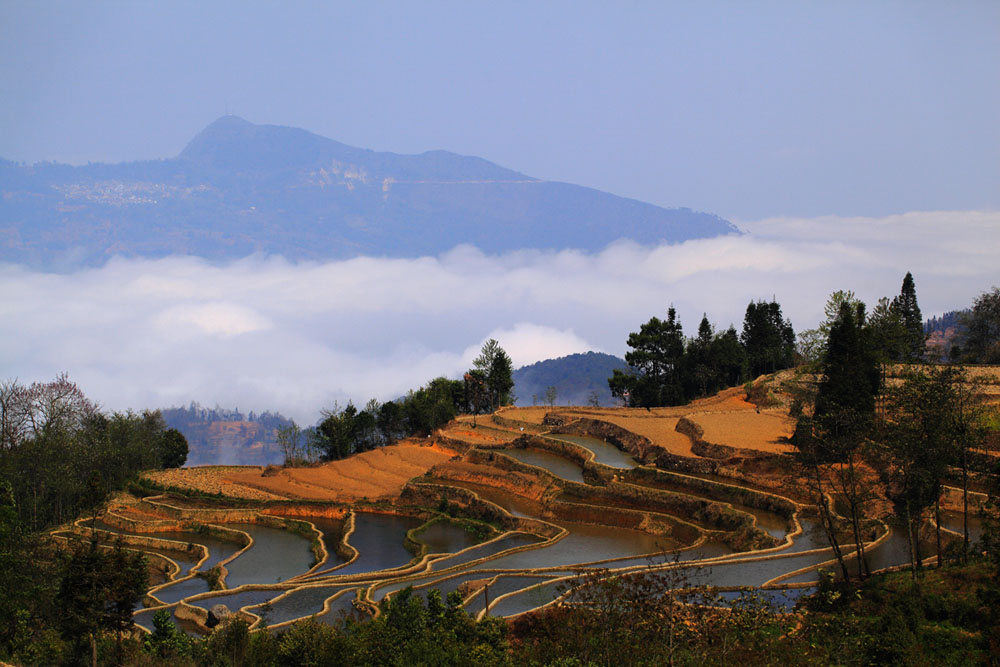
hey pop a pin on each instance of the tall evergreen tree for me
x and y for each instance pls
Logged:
(982, 340)
(913, 322)
(768, 338)
(832, 441)
(887, 331)
(851, 378)
(498, 372)
(700, 375)
(729, 358)
(653, 378)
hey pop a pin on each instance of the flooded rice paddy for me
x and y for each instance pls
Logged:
(276, 555)
(604, 452)
(500, 572)
(557, 465)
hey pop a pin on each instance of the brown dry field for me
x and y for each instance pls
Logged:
(726, 418)
(485, 432)
(212, 479)
(533, 415)
(378, 474)
(747, 430)
(985, 380)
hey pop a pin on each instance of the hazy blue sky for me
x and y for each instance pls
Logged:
(747, 109)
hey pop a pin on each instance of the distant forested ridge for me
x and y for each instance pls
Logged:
(950, 320)
(224, 436)
(944, 332)
(579, 379)
(239, 188)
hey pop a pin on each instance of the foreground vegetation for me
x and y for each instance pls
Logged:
(950, 618)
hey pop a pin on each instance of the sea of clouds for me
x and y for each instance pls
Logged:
(263, 333)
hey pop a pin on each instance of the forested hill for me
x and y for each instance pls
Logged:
(222, 436)
(944, 332)
(950, 320)
(577, 378)
(239, 188)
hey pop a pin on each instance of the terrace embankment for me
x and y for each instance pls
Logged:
(499, 473)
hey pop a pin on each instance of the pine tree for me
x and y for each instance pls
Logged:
(982, 341)
(768, 338)
(913, 323)
(833, 439)
(653, 378)
(498, 371)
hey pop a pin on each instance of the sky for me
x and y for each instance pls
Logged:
(748, 110)
(850, 141)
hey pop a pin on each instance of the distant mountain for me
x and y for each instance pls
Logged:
(578, 379)
(221, 436)
(944, 332)
(239, 188)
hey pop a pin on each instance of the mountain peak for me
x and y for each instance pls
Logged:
(239, 187)
(231, 142)
(229, 121)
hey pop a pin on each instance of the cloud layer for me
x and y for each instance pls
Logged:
(263, 333)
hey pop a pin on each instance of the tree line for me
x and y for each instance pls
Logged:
(866, 438)
(978, 341)
(61, 457)
(666, 368)
(342, 432)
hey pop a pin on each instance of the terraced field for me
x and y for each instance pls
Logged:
(507, 509)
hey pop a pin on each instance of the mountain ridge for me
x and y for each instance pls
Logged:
(239, 188)
(579, 379)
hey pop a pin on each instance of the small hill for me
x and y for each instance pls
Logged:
(578, 379)
(227, 437)
(944, 332)
(239, 188)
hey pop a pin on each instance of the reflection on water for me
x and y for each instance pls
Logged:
(340, 607)
(279, 555)
(556, 465)
(182, 589)
(604, 452)
(488, 549)
(144, 619)
(445, 537)
(782, 600)
(527, 600)
(218, 549)
(235, 601)
(954, 521)
(276, 555)
(331, 539)
(774, 524)
(812, 537)
(379, 541)
(585, 543)
(298, 603)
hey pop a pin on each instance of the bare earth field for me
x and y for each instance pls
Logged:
(378, 474)
(212, 479)
(984, 380)
(726, 418)
(765, 432)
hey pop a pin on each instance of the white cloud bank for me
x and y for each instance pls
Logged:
(264, 333)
